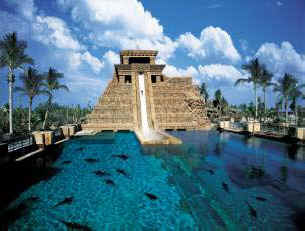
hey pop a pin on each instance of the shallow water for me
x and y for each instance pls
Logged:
(203, 184)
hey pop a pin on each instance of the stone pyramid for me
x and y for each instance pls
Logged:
(171, 103)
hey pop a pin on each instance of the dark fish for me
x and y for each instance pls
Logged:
(75, 226)
(33, 198)
(67, 162)
(91, 160)
(211, 171)
(252, 210)
(225, 187)
(109, 182)
(121, 171)
(260, 198)
(67, 200)
(276, 187)
(121, 156)
(151, 196)
(80, 149)
(101, 173)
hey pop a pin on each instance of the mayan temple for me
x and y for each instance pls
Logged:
(140, 94)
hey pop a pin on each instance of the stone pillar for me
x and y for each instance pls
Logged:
(39, 138)
(300, 133)
(72, 130)
(254, 127)
(224, 124)
(152, 60)
(65, 131)
(48, 138)
(125, 60)
(227, 124)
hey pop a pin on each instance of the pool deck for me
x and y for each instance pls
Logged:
(265, 135)
(165, 139)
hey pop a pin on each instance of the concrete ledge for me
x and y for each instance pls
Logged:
(253, 127)
(86, 133)
(165, 139)
(300, 133)
(39, 138)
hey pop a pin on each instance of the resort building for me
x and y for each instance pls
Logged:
(141, 95)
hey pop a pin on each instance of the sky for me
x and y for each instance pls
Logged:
(207, 39)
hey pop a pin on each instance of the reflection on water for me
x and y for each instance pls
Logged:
(250, 163)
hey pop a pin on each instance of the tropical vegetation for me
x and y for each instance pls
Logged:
(12, 56)
(254, 68)
(52, 85)
(32, 84)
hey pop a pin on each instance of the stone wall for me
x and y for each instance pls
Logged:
(174, 105)
(114, 110)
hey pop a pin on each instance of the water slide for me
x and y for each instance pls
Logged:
(148, 135)
(145, 127)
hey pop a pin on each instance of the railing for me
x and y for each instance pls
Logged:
(20, 144)
(237, 126)
(275, 129)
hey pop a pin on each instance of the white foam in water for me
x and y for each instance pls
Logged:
(147, 132)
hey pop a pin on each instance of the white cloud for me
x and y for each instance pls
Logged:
(111, 58)
(127, 15)
(94, 62)
(172, 71)
(213, 43)
(76, 59)
(122, 23)
(281, 59)
(54, 31)
(279, 3)
(220, 74)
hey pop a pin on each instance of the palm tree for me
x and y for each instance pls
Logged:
(255, 70)
(285, 87)
(32, 83)
(296, 93)
(279, 107)
(52, 84)
(265, 82)
(12, 56)
(204, 92)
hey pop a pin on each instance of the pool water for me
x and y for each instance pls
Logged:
(210, 182)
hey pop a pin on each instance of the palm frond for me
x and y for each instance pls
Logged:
(240, 81)
(63, 87)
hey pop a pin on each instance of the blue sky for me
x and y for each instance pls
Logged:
(208, 40)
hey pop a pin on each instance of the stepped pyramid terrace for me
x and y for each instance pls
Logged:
(140, 95)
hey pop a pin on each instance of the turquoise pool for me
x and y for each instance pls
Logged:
(211, 182)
